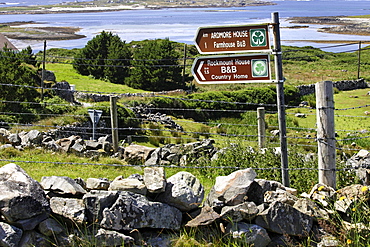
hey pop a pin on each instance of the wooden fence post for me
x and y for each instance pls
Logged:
(114, 122)
(261, 127)
(325, 133)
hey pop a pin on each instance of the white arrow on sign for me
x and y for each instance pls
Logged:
(200, 72)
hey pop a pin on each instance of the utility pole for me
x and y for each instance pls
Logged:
(280, 98)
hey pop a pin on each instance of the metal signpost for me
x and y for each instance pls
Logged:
(252, 68)
(95, 117)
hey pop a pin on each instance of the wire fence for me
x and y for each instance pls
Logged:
(222, 131)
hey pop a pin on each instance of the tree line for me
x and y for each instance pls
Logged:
(152, 65)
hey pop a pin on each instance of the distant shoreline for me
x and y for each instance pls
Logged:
(92, 9)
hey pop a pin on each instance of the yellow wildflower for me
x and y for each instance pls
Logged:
(342, 198)
(349, 241)
(364, 188)
(323, 197)
(321, 188)
(353, 209)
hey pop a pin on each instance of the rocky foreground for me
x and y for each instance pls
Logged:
(151, 209)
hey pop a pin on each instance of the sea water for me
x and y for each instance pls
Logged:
(181, 24)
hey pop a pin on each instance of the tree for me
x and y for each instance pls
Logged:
(105, 56)
(155, 67)
(19, 80)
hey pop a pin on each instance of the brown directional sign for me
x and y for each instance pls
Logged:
(232, 69)
(233, 39)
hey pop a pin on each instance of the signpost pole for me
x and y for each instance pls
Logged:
(280, 98)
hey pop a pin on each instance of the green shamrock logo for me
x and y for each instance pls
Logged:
(259, 68)
(258, 37)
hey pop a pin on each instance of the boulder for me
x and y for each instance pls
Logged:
(245, 211)
(63, 90)
(251, 235)
(33, 137)
(4, 135)
(206, 217)
(284, 219)
(137, 154)
(62, 185)
(21, 197)
(128, 184)
(33, 238)
(281, 196)
(155, 179)
(311, 208)
(9, 235)
(232, 189)
(133, 211)
(183, 191)
(109, 238)
(361, 162)
(96, 201)
(97, 184)
(14, 139)
(70, 208)
(50, 227)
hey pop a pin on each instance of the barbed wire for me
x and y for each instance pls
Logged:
(180, 167)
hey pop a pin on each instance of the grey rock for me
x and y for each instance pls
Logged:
(183, 191)
(9, 235)
(32, 222)
(70, 208)
(63, 90)
(281, 196)
(32, 137)
(361, 162)
(92, 144)
(96, 201)
(245, 211)
(253, 235)
(4, 135)
(128, 184)
(311, 208)
(134, 211)
(50, 227)
(206, 217)
(136, 154)
(21, 197)
(77, 147)
(232, 189)
(33, 238)
(284, 219)
(65, 144)
(14, 139)
(111, 238)
(97, 184)
(62, 185)
(154, 158)
(155, 179)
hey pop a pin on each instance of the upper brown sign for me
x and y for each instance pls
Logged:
(233, 39)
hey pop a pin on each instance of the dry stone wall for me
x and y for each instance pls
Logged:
(61, 211)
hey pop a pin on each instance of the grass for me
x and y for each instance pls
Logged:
(65, 72)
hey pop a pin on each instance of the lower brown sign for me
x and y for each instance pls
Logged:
(251, 68)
